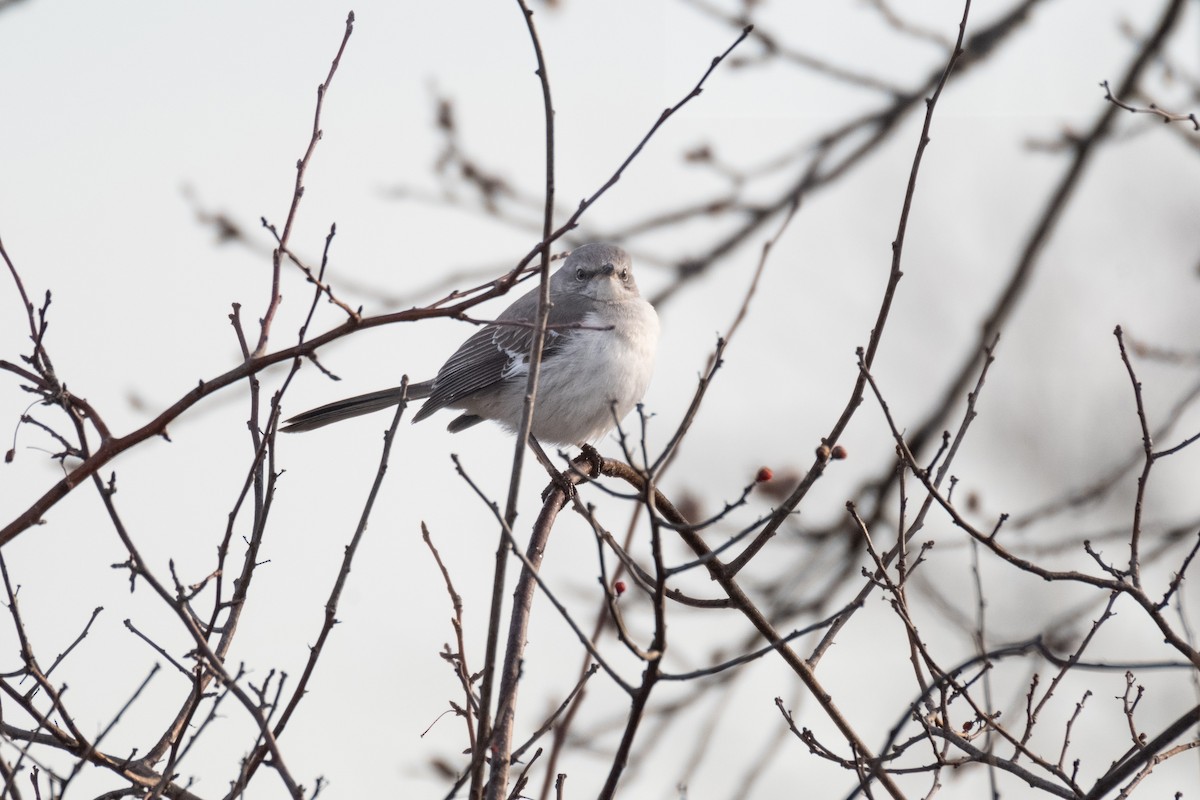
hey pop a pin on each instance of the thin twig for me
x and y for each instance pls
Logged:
(297, 193)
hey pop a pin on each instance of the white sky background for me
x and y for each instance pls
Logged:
(108, 110)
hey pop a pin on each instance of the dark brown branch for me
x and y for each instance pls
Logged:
(297, 193)
(721, 573)
(876, 336)
(1047, 222)
(499, 739)
(1135, 533)
(252, 762)
(1119, 772)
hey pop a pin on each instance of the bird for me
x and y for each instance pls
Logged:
(597, 360)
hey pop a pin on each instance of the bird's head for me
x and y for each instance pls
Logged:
(599, 271)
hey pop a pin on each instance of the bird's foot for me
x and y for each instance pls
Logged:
(559, 480)
(594, 458)
(562, 480)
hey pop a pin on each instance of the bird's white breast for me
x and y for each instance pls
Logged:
(603, 368)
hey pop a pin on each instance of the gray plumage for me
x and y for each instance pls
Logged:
(596, 362)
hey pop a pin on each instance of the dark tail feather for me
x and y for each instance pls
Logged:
(353, 407)
(461, 423)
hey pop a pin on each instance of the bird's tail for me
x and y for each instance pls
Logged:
(354, 406)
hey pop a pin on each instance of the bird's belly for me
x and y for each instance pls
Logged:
(595, 380)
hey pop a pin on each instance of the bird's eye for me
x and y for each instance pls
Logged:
(580, 275)
(624, 275)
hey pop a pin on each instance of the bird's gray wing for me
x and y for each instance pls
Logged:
(499, 352)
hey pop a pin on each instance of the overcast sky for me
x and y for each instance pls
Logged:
(117, 119)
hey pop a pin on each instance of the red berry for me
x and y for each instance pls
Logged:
(764, 474)
(619, 587)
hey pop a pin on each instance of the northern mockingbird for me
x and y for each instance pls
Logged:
(596, 363)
